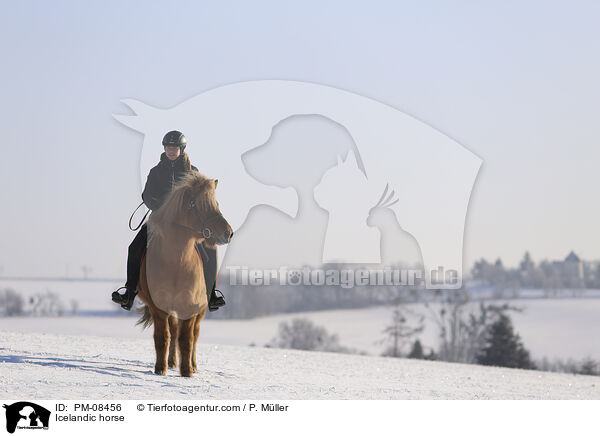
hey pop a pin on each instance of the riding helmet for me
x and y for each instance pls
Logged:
(175, 139)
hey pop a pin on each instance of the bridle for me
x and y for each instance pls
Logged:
(205, 232)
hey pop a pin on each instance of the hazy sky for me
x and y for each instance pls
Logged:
(517, 83)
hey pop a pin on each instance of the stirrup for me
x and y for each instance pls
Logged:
(116, 297)
(215, 301)
(125, 300)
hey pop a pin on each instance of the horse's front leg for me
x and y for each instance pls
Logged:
(161, 342)
(186, 335)
(195, 341)
(173, 329)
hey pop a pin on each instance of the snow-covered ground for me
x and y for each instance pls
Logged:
(560, 328)
(99, 357)
(51, 366)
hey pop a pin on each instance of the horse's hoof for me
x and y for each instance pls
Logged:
(172, 364)
(160, 371)
(186, 371)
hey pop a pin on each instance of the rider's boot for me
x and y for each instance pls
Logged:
(126, 299)
(215, 301)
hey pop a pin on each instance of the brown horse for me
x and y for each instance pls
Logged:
(172, 277)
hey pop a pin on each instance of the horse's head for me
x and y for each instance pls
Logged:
(204, 215)
(381, 212)
(193, 205)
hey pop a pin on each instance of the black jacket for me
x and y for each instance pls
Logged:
(163, 177)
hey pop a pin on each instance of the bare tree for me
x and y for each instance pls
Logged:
(400, 332)
(48, 304)
(303, 334)
(74, 306)
(86, 271)
(449, 320)
(11, 303)
(462, 332)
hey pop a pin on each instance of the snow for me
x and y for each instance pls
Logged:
(97, 357)
(558, 328)
(51, 366)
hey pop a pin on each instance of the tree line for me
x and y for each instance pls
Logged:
(571, 274)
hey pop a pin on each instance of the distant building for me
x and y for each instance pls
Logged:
(570, 271)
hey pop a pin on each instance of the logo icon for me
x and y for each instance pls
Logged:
(26, 415)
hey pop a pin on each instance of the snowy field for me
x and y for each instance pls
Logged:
(554, 328)
(98, 357)
(50, 366)
(549, 328)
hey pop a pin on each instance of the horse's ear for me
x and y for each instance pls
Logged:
(216, 183)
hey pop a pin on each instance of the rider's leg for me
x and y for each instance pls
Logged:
(210, 276)
(134, 257)
(210, 269)
(209, 260)
(134, 261)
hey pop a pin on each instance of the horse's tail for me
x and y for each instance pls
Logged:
(146, 319)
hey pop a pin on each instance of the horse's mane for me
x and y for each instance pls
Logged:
(177, 203)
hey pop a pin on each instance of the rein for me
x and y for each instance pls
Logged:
(143, 218)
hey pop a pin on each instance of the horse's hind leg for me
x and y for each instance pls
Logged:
(161, 342)
(186, 336)
(196, 332)
(173, 329)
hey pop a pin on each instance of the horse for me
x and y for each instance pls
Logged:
(172, 285)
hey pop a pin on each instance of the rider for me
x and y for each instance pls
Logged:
(174, 164)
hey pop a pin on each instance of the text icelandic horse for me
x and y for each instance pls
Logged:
(172, 282)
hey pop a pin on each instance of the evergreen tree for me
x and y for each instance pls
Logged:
(527, 263)
(589, 367)
(504, 347)
(417, 351)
